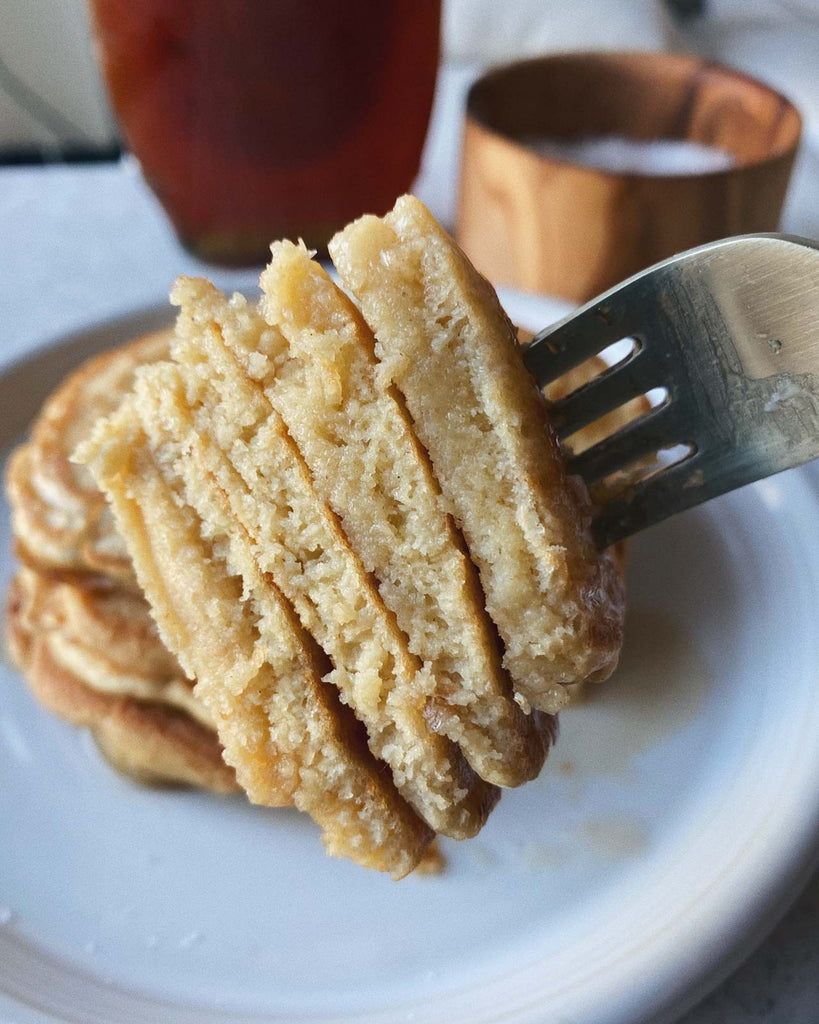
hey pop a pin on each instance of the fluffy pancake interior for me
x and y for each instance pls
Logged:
(358, 442)
(257, 671)
(222, 425)
(444, 340)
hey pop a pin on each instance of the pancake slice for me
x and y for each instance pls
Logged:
(94, 658)
(319, 373)
(445, 342)
(62, 524)
(220, 424)
(76, 624)
(258, 672)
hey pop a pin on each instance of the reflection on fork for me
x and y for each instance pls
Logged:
(721, 344)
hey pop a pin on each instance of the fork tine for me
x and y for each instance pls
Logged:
(729, 329)
(560, 348)
(680, 486)
(609, 390)
(652, 431)
(584, 333)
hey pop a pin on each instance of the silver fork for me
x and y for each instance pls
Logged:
(730, 330)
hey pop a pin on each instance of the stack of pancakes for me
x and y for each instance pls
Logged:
(77, 623)
(355, 531)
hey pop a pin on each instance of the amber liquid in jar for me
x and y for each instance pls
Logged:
(261, 119)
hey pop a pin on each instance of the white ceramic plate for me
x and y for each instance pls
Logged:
(674, 822)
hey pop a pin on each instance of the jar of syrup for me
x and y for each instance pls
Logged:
(261, 119)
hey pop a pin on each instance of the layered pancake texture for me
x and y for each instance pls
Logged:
(76, 622)
(358, 442)
(352, 524)
(258, 671)
(94, 658)
(445, 343)
(61, 522)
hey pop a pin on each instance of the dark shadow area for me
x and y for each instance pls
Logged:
(65, 153)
